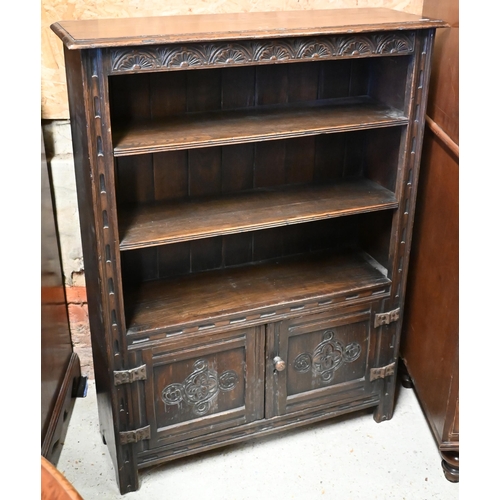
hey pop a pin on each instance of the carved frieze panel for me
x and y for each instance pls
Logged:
(192, 56)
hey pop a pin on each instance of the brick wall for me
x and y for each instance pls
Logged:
(76, 297)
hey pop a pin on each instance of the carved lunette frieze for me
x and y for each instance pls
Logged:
(196, 55)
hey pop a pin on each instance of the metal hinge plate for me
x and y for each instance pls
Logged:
(128, 437)
(382, 372)
(129, 376)
(386, 318)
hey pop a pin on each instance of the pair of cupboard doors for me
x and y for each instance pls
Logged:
(249, 380)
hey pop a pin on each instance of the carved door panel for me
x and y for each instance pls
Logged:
(194, 389)
(325, 358)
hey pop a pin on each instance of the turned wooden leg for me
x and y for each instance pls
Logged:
(450, 465)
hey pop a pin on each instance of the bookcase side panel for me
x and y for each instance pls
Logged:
(402, 225)
(94, 166)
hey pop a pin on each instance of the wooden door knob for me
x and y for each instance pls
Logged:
(279, 364)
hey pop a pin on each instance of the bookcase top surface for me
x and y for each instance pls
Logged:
(123, 32)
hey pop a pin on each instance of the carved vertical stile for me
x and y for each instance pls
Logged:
(406, 187)
(105, 215)
(415, 141)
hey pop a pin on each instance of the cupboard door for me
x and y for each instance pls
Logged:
(318, 360)
(194, 389)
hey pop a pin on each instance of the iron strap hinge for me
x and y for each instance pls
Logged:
(128, 437)
(129, 376)
(382, 372)
(386, 318)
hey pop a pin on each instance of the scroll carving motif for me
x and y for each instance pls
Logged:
(200, 388)
(329, 356)
(172, 57)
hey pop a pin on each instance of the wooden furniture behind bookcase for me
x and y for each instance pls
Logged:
(60, 371)
(429, 346)
(246, 188)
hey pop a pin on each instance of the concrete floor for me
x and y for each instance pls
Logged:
(348, 458)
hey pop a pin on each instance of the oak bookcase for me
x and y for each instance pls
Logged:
(246, 188)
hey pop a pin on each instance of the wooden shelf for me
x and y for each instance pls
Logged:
(263, 123)
(175, 222)
(210, 296)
